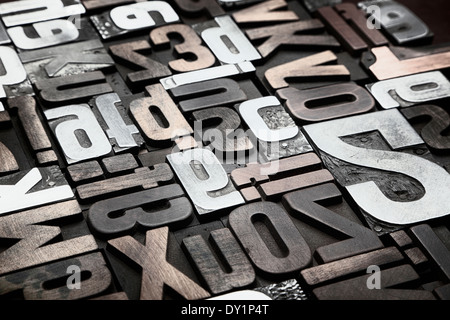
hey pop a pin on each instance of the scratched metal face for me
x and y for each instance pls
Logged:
(224, 150)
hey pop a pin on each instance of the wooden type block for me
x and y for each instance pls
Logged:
(286, 35)
(142, 178)
(304, 68)
(34, 129)
(323, 273)
(32, 248)
(207, 94)
(157, 207)
(85, 171)
(357, 288)
(359, 137)
(275, 178)
(156, 271)
(81, 88)
(120, 163)
(52, 281)
(138, 67)
(307, 205)
(433, 248)
(66, 60)
(228, 269)
(158, 117)
(270, 239)
(385, 64)
(188, 44)
(326, 103)
(267, 11)
(433, 133)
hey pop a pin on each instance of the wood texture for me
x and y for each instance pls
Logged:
(356, 288)
(33, 127)
(350, 39)
(286, 35)
(8, 162)
(357, 19)
(156, 271)
(326, 103)
(120, 163)
(270, 238)
(304, 205)
(267, 11)
(33, 235)
(157, 207)
(308, 67)
(191, 45)
(334, 270)
(233, 272)
(44, 282)
(165, 123)
(81, 86)
(433, 247)
(433, 133)
(128, 53)
(388, 65)
(142, 178)
(85, 171)
(228, 136)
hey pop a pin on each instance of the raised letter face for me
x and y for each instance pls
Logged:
(328, 137)
(205, 180)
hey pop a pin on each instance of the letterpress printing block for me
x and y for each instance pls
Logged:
(393, 199)
(65, 60)
(305, 205)
(239, 272)
(275, 130)
(357, 288)
(283, 250)
(80, 138)
(52, 33)
(33, 126)
(325, 103)
(33, 188)
(157, 272)
(29, 11)
(41, 283)
(133, 17)
(398, 21)
(169, 207)
(191, 45)
(393, 62)
(114, 120)
(410, 90)
(235, 50)
(33, 235)
(205, 181)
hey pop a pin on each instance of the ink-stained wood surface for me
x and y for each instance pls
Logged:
(144, 178)
(286, 251)
(32, 248)
(326, 103)
(156, 271)
(340, 268)
(313, 66)
(304, 204)
(357, 289)
(221, 276)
